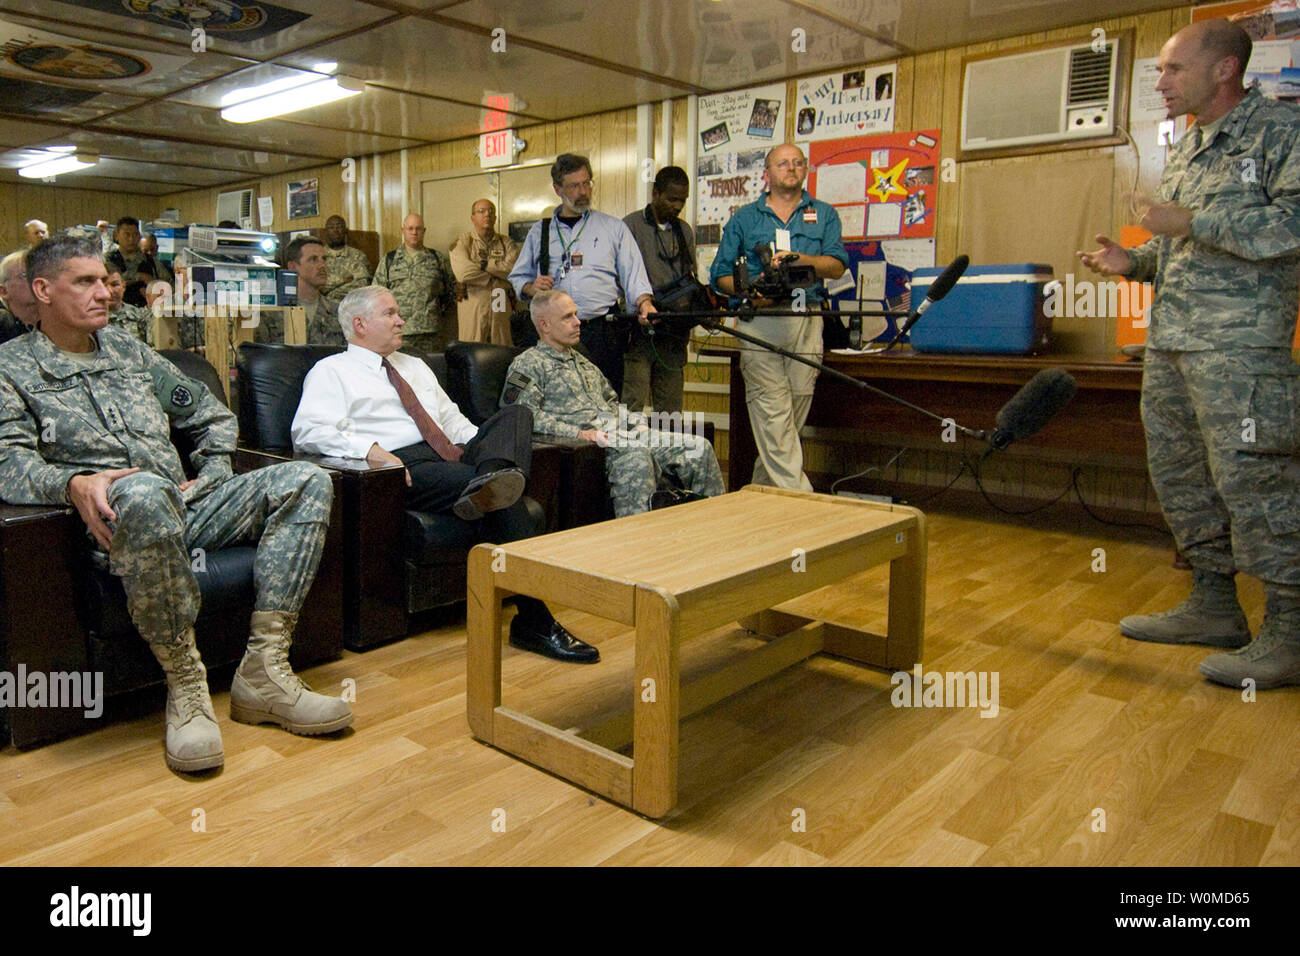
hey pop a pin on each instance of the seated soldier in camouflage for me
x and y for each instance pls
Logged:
(85, 411)
(135, 319)
(569, 397)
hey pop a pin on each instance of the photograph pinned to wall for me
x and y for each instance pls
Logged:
(852, 103)
(748, 118)
(883, 186)
(1274, 29)
(304, 199)
(763, 117)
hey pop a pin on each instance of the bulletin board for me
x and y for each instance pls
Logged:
(882, 186)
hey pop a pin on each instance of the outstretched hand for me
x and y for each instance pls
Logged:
(1111, 259)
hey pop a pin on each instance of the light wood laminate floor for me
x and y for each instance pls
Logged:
(1103, 751)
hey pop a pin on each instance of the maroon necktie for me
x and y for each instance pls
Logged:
(434, 435)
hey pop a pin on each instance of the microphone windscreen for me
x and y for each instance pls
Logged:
(1037, 403)
(948, 278)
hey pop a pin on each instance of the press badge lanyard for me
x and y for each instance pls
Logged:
(566, 259)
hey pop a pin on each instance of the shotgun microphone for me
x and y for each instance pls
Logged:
(940, 287)
(1036, 404)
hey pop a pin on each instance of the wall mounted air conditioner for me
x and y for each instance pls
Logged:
(1059, 95)
(238, 206)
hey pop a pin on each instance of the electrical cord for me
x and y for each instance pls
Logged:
(881, 468)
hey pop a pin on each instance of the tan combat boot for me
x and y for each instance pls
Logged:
(193, 737)
(266, 690)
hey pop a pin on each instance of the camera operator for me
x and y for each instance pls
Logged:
(653, 369)
(801, 232)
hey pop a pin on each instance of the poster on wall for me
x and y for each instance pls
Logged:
(304, 199)
(882, 186)
(848, 103)
(736, 131)
(1274, 29)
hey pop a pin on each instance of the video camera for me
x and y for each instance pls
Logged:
(778, 280)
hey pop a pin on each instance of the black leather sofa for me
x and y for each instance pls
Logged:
(62, 612)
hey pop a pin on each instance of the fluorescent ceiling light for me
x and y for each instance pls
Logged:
(289, 96)
(67, 163)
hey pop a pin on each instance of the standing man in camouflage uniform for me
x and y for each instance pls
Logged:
(306, 256)
(570, 398)
(348, 266)
(1220, 400)
(482, 259)
(85, 412)
(19, 311)
(135, 319)
(424, 287)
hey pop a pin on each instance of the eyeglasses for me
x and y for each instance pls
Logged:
(791, 164)
(579, 187)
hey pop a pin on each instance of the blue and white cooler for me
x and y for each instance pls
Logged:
(995, 310)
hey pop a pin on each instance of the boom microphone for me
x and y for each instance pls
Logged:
(1042, 397)
(940, 287)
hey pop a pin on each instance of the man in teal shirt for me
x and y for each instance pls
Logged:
(778, 390)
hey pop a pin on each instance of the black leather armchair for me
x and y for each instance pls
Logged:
(62, 611)
(397, 562)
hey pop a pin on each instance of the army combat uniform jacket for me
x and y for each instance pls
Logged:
(422, 284)
(348, 269)
(568, 394)
(60, 417)
(1231, 283)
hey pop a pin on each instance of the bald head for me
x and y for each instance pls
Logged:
(36, 231)
(1220, 39)
(1201, 69)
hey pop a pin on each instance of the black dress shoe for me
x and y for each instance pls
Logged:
(554, 642)
(490, 492)
(668, 497)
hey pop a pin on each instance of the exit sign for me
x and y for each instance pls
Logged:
(496, 149)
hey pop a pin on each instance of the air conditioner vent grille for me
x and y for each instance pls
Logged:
(1089, 75)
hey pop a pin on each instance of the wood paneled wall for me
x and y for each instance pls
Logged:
(60, 207)
(928, 89)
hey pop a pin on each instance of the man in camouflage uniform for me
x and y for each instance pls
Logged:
(348, 266)
(569, 397)
(85, 411)
(424, 287)
(19, 311)
(306, 256)
(135, 319)
(1220, 400)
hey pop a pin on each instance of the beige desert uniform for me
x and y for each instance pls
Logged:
(485, 313)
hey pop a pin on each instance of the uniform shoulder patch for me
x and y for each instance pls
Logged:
(516, 382)
(182, 397)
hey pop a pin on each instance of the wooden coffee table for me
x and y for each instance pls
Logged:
(679, 572)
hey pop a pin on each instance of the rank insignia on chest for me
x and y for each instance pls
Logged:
(810, 215)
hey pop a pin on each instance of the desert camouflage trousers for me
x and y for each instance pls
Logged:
(283, 509)
(1223, 432)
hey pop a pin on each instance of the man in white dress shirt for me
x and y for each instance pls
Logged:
(377, 403)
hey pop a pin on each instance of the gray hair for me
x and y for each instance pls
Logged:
(47, 259)
(543, 300)
(11, 266)
(358, 302)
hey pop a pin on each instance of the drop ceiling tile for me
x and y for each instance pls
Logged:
(696, 42)
(246, 162)
(459, 64)
(74, 54)
(197, 124)
(15, 132)
(261, 29)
